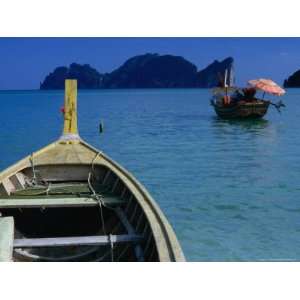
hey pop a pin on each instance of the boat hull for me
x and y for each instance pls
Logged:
(53, 226)
(247, 110)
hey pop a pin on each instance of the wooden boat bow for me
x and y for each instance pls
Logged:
(72, 179)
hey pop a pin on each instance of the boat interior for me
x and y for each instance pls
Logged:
(75, 213)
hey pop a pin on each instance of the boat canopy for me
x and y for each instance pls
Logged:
(267, 86)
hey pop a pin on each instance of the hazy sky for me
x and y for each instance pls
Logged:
(24, 62)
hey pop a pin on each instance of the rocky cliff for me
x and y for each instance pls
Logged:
(213, 73)
(142, 71)
(153, 71)
(293, 80)
(87, 77)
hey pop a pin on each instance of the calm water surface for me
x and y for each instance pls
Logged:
(231, 190)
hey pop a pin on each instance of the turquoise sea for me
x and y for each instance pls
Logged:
(231, 190)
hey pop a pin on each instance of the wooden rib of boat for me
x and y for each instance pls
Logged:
(243, 109)
(71, 202)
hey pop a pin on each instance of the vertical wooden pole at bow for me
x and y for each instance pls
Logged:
(70, 109)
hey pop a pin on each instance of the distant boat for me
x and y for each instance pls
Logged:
(242, 110)
(70, 202)
(232, 102)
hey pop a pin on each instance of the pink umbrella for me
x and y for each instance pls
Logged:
(268, 86)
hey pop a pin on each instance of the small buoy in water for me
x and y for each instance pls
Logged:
(101, 127)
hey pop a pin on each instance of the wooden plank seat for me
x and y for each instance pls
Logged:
(101, 240)
(58, 202)
(59, 195)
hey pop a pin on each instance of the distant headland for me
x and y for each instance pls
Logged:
(142, 71)
(293, 81)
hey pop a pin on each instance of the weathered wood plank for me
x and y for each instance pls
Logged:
(56, 202)
(72, 241)
(18, 180)
(6, 238)
(7, 187)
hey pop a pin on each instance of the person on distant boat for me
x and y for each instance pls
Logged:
(249, 94)
(226, 99)
(237, 96)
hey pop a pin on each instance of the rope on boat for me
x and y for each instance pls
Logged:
(101, 258)
(34, 179)
(101, 203)
(99, 199)
(94, 159)
(48, 188)
(278, 105)
(98, 196)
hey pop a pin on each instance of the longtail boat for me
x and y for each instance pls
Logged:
(231, 102)
(70, 202)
